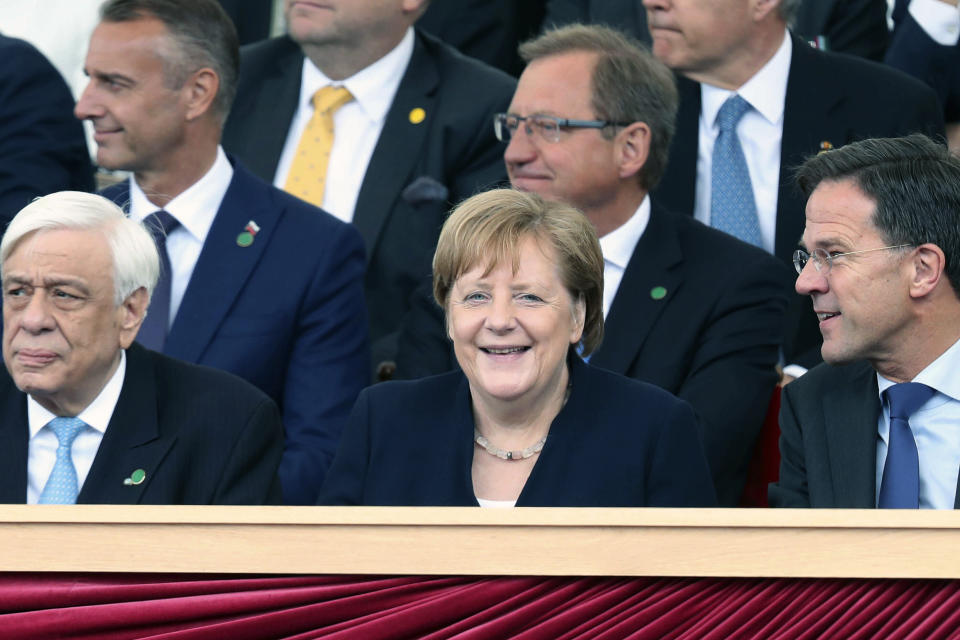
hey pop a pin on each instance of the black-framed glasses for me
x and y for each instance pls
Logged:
(823, 259)
(547, 127)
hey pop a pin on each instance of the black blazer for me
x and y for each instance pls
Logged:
(828, 440)
(42, 148)
(616, 443)
(713, 339)
(914, 52)
(831, 98)
(201, 435)
(417, 171)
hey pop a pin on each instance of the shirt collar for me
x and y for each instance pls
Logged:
(618, 245)
(766, 91)
(96, 415)
(196, 207)
(373, 87)
(939, 374)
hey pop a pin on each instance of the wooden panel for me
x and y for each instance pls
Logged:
(465, 541)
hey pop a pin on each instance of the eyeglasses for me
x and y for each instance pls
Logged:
(547, 127)
(823, 259)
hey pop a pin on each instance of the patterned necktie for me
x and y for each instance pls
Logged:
(732, 207)
(308, 173)
(900, 484)
(61, 487)
(153, 331)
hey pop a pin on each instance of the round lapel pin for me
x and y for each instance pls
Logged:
(658, 293)
(137, 477)
(417, 115)
(245, 239)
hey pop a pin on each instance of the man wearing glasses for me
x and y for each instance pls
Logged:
(876, 425)
(688, 308)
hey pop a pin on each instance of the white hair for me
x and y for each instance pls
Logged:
(136, 262)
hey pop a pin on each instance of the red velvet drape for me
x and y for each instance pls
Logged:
(151, 606)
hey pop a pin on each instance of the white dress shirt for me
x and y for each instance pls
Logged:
(356, 125)
(195, 209)
(617, 247)
(936, 428)
(42, 448)
(940, 20)
(760, 131)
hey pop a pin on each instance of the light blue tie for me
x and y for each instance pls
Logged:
(732, 207)
(61, 487)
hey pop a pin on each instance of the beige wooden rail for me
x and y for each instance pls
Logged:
(465, 541)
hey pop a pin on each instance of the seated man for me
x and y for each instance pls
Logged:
(688, 308)
(88, 416)
(876, 425)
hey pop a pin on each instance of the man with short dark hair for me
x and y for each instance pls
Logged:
(405, 122)
(88, 416)
(755, 100)
(256, 282)
(687, 308)
(875, 426)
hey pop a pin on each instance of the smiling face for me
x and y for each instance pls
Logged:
(511, 331)
(139, 122)
(863, 303)
(580, 169)
(62, 331)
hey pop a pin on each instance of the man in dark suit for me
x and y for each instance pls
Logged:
(260, 283)
(688, 308)
(412, 137)
(42, 148)
(88, 416)
(876, 425)
(926, 44)
(797, 101)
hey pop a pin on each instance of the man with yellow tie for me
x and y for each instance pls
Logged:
(377, 122)
(256, 282)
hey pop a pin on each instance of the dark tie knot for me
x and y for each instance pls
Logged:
(731, 111)
(160, 223)
(905, 398)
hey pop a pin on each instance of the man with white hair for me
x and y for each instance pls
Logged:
(89, 416)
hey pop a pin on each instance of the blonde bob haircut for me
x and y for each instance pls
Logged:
(489, 228)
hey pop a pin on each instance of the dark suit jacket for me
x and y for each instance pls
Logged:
(285, 313)
(916, 53)
(616, 443)
(42, 148)
(713, 340)
(830, 98)
(417, 169)
(202, 436)
(828, 440)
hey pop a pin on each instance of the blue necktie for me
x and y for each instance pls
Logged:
(900, 485)
(732, 207)
(153, 331)
(61, 487)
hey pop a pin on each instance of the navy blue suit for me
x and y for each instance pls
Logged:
(833, 99)
(616, 443)
(417, 170)
(42, 148)
(286, 313)
(202, 437)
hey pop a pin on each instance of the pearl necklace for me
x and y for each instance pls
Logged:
(503, 454)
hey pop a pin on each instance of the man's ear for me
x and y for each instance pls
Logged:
(632, 148)
(199, 91)
(760, 9)
(132, 311)
(927, 266)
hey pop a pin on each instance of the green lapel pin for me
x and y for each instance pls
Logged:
(137, 477)
(658, 293)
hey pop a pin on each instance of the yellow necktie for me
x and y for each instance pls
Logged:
(308, 173)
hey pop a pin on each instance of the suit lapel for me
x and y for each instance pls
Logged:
(397, 152)
(634, 310)
(807, 125)
(132, 440)
(678, 186)
(850, 418)
(14, 434)
(223, 266)
(119, 194)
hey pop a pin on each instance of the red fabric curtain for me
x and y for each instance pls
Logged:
(160, 606)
